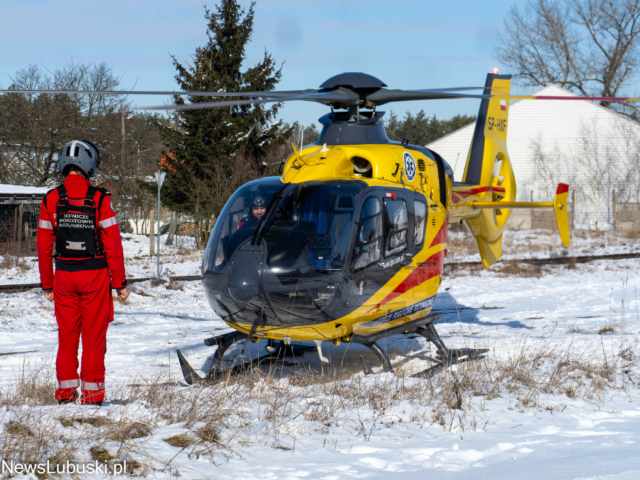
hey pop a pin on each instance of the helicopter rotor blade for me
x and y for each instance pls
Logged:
(335, 96)
(258, 94)
(262, 94)
(342, 97)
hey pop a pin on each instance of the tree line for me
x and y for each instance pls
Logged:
(587, 46)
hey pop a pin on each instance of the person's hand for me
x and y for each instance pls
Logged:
(123, 293)
(49, 296)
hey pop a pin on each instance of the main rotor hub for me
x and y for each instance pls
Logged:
(354, 81)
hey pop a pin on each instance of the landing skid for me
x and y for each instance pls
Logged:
(422, 326)
(446, 356)
(217, 371)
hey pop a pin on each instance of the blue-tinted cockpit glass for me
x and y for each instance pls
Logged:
(239, 220)
(310, 228)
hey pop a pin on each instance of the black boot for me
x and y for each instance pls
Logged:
(65, 401)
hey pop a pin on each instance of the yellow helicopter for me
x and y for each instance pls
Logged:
(348, 245)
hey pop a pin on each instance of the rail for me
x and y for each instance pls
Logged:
(21, 287)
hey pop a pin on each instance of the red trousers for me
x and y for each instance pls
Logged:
(84, 308)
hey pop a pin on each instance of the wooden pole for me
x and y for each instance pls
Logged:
(19, 230)
(123, 137)
(172, 227)
(151, 234)
(613, 208)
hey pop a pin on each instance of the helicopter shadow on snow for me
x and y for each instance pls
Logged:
(453, 311)
(345, 358)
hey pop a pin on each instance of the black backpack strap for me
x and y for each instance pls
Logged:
(91, 193)
(104, 193)
(62, 191)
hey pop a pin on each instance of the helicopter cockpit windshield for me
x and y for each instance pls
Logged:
(239, 220)
(308, 232)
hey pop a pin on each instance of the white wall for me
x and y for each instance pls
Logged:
(576, 142)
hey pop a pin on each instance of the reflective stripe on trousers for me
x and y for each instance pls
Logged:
(69, 383)
(92, 386)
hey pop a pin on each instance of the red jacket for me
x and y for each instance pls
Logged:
(108, 233)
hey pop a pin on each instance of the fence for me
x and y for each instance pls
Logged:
(19, 221)
(547, 218)
(626, 215)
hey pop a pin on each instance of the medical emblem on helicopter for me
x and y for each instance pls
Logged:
(409, 166)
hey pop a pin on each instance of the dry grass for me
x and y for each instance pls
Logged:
(518, 269)
(100, 453)
(93, 421)
(179, 441)
(17, 429)
(174, 285)
(129, 431)
(8, 262)
(264, 408)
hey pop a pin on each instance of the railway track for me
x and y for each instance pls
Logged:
(21, 287)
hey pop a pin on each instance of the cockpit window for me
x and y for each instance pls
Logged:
(239, 220)
(397, 226)
(309, 231)
(420, 219)
(367, 249)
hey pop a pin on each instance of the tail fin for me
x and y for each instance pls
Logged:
(490, 135)
(485, 198)
(489, 168)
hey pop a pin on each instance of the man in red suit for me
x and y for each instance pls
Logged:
(79, 220)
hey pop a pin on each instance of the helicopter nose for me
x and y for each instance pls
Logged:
(245, 275)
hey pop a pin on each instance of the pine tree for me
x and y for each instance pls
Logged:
(422, 130)
(206, 145)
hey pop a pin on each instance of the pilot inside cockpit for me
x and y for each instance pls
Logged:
(258, 210)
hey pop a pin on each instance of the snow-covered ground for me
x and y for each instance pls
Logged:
(555, 435)
(546, 244)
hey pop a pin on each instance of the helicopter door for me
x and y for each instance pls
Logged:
(436, 233)
(367, 254)
(397, 249)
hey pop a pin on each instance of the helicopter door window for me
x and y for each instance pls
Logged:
(367, 250)
(420, 220)
(397, 224)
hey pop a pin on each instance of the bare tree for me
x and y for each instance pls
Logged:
(35, 127)
(595, 166)
(546, 160)
(587, 46)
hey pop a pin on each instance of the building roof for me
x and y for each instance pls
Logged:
(6, 189)
(15, 194)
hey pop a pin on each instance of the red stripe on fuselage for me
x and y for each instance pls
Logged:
(441, 236)
(424, 271)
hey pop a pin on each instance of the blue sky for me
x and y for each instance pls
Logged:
(407, 44)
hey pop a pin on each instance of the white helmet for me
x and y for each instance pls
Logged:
(82, 154)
